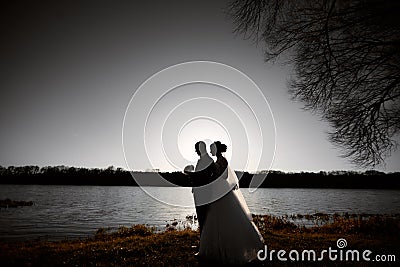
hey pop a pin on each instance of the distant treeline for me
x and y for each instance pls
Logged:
(63, 175)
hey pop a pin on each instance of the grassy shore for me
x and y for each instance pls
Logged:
(143, 246)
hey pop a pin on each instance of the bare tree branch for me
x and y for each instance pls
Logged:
(346, 58)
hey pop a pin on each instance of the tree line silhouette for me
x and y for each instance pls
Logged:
(111, 176)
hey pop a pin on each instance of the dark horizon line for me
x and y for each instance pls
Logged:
(155, 170)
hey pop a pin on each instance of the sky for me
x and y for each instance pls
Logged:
(69, 70)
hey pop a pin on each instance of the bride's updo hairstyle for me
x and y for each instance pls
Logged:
(221, 148)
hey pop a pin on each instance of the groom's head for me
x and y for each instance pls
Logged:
(200, 148)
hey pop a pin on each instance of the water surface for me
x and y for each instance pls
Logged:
(78, 211)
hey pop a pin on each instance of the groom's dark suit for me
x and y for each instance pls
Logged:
(202, 175)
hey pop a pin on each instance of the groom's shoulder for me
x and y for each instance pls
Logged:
(208, 160)
(210, 163)
(203, 163)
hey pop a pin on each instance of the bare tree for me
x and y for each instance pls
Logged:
(346, 56)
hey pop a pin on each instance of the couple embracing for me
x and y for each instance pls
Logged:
(228, 234)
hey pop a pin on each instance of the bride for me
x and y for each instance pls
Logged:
(229, 234)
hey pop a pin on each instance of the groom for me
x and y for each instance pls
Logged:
(202, 175)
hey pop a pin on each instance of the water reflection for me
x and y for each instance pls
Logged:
(78, 211)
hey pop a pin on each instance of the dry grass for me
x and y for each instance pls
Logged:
(140, 245)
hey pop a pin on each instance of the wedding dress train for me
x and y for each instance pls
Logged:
(229, 234)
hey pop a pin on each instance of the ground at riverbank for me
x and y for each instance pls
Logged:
(143, 246)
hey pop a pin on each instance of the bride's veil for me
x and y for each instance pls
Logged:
(233, 182)
(224, 184)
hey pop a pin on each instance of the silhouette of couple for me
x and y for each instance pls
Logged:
(228, 234)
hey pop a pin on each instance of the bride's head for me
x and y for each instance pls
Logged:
(217, 148)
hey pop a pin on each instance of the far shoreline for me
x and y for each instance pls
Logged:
(62, 175)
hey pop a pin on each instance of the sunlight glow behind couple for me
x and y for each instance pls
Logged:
(194, 101)
(206, 130)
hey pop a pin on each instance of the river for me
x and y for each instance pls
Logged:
(78, 211)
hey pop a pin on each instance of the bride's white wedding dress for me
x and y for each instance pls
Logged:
(229, 234)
